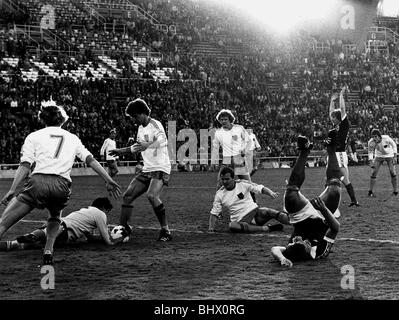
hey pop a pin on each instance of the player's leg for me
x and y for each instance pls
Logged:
(392, 172)
(255, 221)
(53, 225)
(373, 177)
(14, 212)
(331, 195)
(136, 188)
(349, 187)
(112, 168)
(264, 214)
(294, 201)
(153, 194)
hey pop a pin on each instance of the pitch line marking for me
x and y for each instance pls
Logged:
(252, 235)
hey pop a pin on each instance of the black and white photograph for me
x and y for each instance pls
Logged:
(199, 158)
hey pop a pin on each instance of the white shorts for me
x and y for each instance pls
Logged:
(342, 158)
(306, 212)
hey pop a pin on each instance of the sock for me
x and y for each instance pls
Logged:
(394, 184)
(351, 192)
(126, 212)
(161, 215)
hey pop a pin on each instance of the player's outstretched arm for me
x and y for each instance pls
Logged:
(121, 151)
(113, 188)
(332, 106)
(277, 253)
(342, 102)
(331, 221)
(269, 192)
(22, 172)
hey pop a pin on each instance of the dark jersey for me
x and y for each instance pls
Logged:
(342, 134)
(323, 247)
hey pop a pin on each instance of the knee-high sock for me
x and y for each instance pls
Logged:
(394, 184)
(126, 213)
(297, 176)
(161, 215)
(351, 192)
(372, 183)
(333, 170)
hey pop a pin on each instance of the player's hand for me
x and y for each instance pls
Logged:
(139, 168)
(114, 189)
(274, 195)
(140, 146)
(286, 263)
(318, 204)
(7, 197)
(114, 152)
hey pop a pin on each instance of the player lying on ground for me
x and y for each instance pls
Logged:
(315, 226)
(53, 151)
(235, 198)
(87, 223)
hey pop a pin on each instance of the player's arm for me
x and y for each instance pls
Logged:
(259, 188)
(277, 253)
(257, 145)
(27, 158)
(331, 221)
(332, 105)
(22, 172)
(371, 151)
(342, 103)
(215, 214)
(103, 150)
(122, 151)
(394, 147)
(215, 150)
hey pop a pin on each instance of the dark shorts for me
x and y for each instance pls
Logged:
(310, 228)
(46, 191)
(146, 177)
(112, 165)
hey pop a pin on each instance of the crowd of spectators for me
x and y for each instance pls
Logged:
(279, 89)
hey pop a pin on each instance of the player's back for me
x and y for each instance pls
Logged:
(53, 149)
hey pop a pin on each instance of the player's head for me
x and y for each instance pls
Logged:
(336, 116)
(112, 133)
(136, 108)
(225, 117)
(376, 135)
(104, 204)
(298, 250)
(227, 177)
(52, 115)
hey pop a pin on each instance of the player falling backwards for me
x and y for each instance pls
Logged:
(53, 151)
(152, 143)
(341, 125)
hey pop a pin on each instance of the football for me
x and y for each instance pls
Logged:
(117, 232)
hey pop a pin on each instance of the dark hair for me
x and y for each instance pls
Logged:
(376, 132)
(337, 114)
(226, 114)
(102, 203)
(52, 116)
(296, 252)
(227, 170)
(137, 106)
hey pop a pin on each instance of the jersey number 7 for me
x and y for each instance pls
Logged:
(59, 146)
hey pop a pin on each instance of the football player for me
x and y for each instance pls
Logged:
(87, 223)
(382, 148)
(341, 126)
(53, 151)
(245, 215)
(152, 143)
(110, 144)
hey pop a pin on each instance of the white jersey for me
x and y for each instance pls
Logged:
(87, 220)
(109, 144)
(53, 149)
(237, 202)
(155, 157)
(233, 141)
(254, 142)
(385, 149)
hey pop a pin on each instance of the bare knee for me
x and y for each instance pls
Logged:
(152, 197)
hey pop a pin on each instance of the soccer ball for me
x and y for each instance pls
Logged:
(117, 232)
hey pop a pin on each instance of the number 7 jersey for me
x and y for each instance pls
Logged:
(53, 149)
